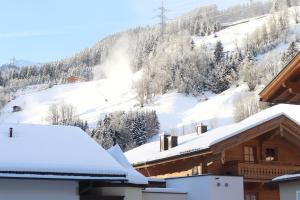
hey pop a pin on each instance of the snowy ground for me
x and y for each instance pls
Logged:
(94, 99)
(233, 36)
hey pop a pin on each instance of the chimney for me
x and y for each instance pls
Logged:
(10, 132)
(173, 141)
(201, 128)
(168, 142)
(164, 144)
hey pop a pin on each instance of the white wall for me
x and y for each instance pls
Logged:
(20, 189)
(288, 190)
(163, 196)
(206, 187)
(130, 193)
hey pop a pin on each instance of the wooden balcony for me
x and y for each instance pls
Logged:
(259, 171)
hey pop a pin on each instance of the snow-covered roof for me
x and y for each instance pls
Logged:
(193, 142)
(58, 152)
(133, 176)
(287, 177)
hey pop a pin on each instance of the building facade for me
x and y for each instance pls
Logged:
(285, 88)
(258, 149)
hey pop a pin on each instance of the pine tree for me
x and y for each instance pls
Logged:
(219, 52)
(290, 53)
(138, 129)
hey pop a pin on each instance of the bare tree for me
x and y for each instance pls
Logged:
(62, 114)
(296, 15)
(247, 106)
(53, 114)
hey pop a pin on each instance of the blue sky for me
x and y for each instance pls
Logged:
(48, 30)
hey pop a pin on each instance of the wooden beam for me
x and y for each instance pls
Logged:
(272, 134)
(290, 73)
(285, 96)
(290, 138)
(287, 129)
(172, 159)
(292, 87)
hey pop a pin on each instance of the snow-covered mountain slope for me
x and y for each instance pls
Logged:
(233, 36)
(95, 99)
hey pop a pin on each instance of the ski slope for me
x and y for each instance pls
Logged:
(95, 99)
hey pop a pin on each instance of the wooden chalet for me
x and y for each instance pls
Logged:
(285, 87)
(73, 79)
(258, 151)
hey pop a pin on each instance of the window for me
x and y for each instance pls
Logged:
(249, 154)
(298, 195)
(251, 197)
(271, 154)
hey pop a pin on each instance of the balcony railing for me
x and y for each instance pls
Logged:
(259, 171)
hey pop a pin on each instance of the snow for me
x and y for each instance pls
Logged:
(54, 150)
(193, 142)
(287, 177)
(133, 176)
(59, 177)
(96, 98)
(165, 190)
(238, 31)
(233, 35)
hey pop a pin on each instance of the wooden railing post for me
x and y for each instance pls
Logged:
(264, 171)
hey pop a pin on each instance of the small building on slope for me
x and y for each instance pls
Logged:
(259, 148)
(73, 79)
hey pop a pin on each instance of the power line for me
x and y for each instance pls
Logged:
(163, 19)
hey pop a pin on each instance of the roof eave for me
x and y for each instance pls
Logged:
(276, 83)
(172, 158)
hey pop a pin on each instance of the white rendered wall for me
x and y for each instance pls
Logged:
(210, 187)
(288, 190)
(20, 189)
(130, 193)
(163, 196)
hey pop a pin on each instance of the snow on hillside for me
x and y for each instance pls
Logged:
(95, 99)
(233, 36)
